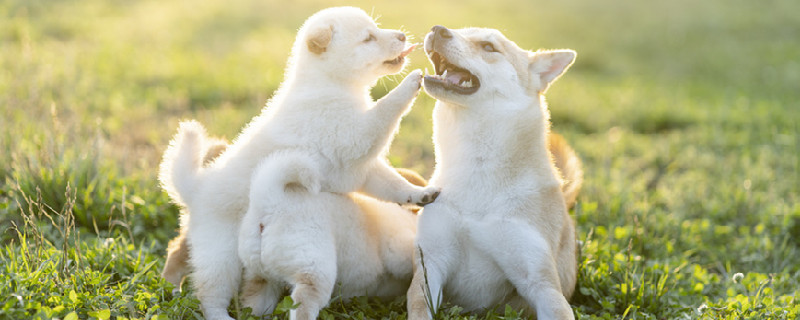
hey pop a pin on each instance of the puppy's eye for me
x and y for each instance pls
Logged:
(370, 38)
(488, 46)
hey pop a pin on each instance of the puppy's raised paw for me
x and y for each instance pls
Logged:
(413, 81)
(428, 195)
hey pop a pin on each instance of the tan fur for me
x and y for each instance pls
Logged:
(306, 289)
(568, 165)
(176, 266)
(319, 39)
(214, 151)
(252, 288)
(412, 176)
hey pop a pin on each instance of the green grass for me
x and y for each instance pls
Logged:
(684, 113)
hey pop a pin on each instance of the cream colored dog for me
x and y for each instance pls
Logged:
(500, 231)
(322, 110)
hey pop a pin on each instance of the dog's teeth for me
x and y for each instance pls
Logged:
(444, 74)
(468, 83)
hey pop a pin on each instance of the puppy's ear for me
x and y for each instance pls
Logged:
(319, 38)
(546, 66)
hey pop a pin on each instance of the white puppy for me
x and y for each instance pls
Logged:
(500, 231)
(323, 110)
(295, 236)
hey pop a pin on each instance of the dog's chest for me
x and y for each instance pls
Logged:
(476, 195)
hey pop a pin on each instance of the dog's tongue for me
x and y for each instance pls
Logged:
(456, 77)
(408, 50)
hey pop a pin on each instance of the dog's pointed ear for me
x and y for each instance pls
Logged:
(319, 38)
(545, 66)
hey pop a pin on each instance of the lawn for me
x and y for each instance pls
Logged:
(686, 115)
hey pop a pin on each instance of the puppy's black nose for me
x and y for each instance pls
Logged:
(401, 36)
(441, 32)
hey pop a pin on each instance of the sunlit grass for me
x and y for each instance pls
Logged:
(684, 114)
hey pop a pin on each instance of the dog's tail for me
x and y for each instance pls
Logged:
(286, 172)
(178, 176)
(277, 182)
(569, 166)
(183, 160)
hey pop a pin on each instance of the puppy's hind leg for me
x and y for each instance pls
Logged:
(312, 291)
(311, 267)
(529, 265)
(216, 266)
(313, 277)
(259, 294)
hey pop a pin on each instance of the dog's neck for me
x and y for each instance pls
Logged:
(306, 91)
(313, 71)
(506, 141)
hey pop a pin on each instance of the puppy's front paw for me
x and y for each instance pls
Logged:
(428, 195)
(413, 81)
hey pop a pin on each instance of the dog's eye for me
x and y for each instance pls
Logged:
(369, 38)
(488, 47)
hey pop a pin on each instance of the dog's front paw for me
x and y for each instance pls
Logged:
(413, 81)
(426, 196)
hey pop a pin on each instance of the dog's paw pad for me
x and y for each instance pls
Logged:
(429, 198)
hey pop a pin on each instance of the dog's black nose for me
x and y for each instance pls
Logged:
(401, 36)
(441, 31)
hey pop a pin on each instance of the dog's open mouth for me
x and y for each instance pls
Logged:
(451, 77)
(402, 57)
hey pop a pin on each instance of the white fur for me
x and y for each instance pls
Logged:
(500, 231)
(293, 236)
(322, 110)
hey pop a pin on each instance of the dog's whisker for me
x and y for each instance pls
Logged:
(409, 36)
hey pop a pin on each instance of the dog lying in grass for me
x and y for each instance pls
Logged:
(500, 231)
(324, 112)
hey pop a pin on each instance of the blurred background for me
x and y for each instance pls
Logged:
(126, 71)
(685, 114)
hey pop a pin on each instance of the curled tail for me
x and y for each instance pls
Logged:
(188, 151)
(279, 178)
(286, 172)
(569, 166)
(182, 161)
